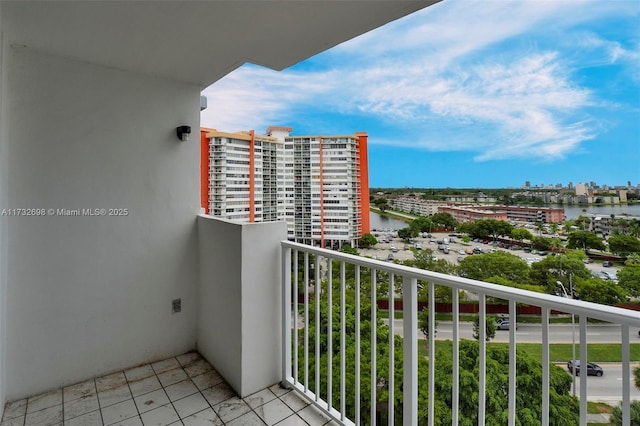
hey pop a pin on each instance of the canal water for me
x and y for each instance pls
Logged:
(380, 222)
(572, 212)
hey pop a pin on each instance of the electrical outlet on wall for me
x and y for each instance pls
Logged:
(176, 305)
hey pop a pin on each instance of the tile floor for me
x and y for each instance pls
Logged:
(184, 390)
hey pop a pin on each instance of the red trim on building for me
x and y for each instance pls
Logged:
(363, 190)
(204, 170)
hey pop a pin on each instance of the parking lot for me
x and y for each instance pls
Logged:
(457, 250)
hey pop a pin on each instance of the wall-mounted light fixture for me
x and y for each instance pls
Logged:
(183, 132)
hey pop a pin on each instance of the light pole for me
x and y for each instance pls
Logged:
(573, 331)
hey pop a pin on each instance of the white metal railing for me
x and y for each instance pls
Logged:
(301, 261)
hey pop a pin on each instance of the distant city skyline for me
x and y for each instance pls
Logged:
(467, 95)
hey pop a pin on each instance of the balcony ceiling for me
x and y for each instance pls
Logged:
(194, 41)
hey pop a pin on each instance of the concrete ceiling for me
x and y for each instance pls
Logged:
(194, 41)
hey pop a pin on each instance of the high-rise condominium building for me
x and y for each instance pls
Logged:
(317, 184)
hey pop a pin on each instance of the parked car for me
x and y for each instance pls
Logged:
(390, 257)
(606, 263)
(592, 369)
(503, 324)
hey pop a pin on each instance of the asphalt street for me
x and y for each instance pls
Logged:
(607, 388)
(532, 333)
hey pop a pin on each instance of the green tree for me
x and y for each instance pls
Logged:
(368, 240)
(406, 233)
(444, 220)
(498, 264)
(422, 224)
(558, 268)
(584, 240)
(582, 222)
(624, 244)
(505, 282)
(520, 234)
(423, 322)
(616, 414)
(381, 203)
(633, 260)
(351, 250)
(424, 259)
(490, 327)
(542, 243)
(564, 407)
(600, 291)
(629, 279)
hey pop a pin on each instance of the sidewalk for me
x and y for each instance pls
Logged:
(598, 418)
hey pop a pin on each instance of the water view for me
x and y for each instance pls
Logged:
(379, 222)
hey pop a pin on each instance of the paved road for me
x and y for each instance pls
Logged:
(532, 333)
(607, 388)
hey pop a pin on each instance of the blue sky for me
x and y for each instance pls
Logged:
(467, 94)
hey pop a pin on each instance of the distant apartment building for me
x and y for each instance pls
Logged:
(416, 205)
(529, 214)
(317, 184)
(606, 225)
(471, 213)
(581, 189)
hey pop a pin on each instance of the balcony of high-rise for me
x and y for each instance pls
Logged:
(152, 313)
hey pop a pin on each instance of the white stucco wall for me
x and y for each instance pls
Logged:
(240, 301)
(90, 295)
(3, 225)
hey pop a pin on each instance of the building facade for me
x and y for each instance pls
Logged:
(529, 214)
(472, 214)
(317, 184)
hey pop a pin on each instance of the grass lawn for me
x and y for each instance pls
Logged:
(564, 319)
(558, 352)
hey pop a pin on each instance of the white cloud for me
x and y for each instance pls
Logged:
(439, 77)
(255, 98)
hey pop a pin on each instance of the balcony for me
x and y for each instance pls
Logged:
(253, 333)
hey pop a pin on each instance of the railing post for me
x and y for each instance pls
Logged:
(583, 367)
(512, 362)
(286, 316)
(357, 332)
(410, 349)
(432, 353)
(482, 347)
(626, 377)
(545, 366)
(455, 389)
(374, 375)
(392, 332)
